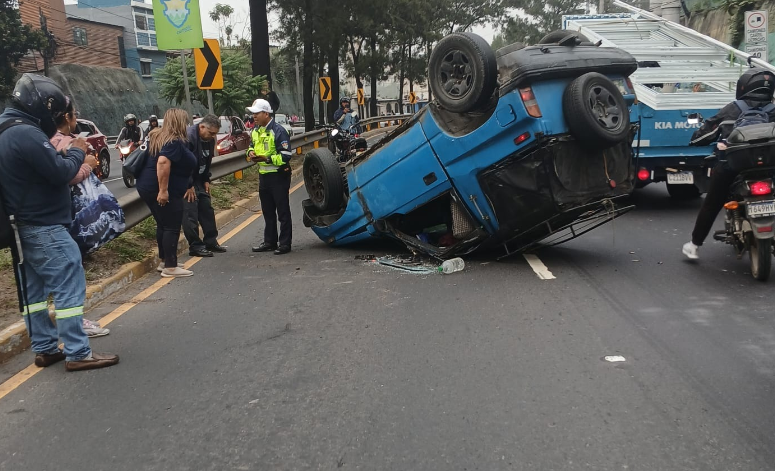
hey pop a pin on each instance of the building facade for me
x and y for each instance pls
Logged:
(138, 44)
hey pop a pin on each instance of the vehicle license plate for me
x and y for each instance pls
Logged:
(680, 178)
(761, 209)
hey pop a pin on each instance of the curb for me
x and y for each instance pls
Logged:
(14, 338)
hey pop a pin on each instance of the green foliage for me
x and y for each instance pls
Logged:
(536, 19)
(221, 14)
(17, 40)
(736, 10)
(240, 88)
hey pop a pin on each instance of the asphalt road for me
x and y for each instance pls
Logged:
(319, 360)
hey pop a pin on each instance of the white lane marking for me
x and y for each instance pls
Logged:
(538, 266)
(614, 358)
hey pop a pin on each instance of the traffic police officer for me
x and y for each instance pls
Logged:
(272, 150)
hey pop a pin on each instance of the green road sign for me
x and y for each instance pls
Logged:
(178, 24)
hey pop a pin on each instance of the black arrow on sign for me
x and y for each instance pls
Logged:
(212, 66)
(326, 91)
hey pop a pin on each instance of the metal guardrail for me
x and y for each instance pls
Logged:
(135, 209)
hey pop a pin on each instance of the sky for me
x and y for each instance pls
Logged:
(242, 22)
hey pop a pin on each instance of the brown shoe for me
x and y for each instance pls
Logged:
(43, 359)
(97, 360)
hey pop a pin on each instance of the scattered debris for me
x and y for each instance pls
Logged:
(368, 258)
(410, 265)
(254, 401)
(614, 358)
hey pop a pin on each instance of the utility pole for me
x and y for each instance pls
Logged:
(49, 51)
(185, 82)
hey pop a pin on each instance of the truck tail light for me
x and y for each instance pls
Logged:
(629, 84)
(643, 174)
(529, 99)
(760, 188)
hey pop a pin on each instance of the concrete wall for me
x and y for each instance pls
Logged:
(104, 95)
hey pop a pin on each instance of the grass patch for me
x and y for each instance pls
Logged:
(6, 262)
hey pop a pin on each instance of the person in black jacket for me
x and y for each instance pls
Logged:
(756, 87)
(34, 181)
(198, 208)
(131, 131)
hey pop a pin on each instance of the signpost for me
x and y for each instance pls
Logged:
(325, 88)
(209, 71)
(756, 34)
(178, 27)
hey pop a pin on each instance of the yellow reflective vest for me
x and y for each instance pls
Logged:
(264, 144)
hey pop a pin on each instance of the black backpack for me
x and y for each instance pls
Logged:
(7, 237)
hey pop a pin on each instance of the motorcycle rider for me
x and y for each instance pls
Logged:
(756, 87)
(153, 123)
(344, 108)
(131, 131)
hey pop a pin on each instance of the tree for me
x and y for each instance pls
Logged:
(259, 28)
(240, 87)
(537, 18)
(220, 14)
(18, 40)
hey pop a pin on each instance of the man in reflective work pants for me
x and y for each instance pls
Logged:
(271, 149)
(34, 184)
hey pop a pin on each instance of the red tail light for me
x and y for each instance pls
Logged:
(761, 188)
(529, 99)
(629, 83)
(522, 138)
(643, 174)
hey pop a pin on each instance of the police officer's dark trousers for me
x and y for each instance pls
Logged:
(196, 213)
(275, 204)
(718, 193)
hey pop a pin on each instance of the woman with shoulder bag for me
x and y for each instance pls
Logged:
(163, 182)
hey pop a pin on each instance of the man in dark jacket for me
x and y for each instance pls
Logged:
(34, 185)
(197, 206)
(344, 108)
(755, 87)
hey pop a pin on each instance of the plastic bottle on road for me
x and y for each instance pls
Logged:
(452, 265)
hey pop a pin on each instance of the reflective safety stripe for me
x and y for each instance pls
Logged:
(33, 308)
(72, 312)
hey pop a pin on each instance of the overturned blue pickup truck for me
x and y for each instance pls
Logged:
(529, 145)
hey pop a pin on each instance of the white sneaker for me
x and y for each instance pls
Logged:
(176, 272)
(93, 329)
(691, 250)
(160, 266)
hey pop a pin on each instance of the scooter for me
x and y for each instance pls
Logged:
(125, 148)
(749, 222)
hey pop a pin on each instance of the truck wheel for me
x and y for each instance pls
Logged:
(683, 192)
(556, 36)
(462, 72)
(760, 252)
(323, 179)
(104, 164)
(595, 111)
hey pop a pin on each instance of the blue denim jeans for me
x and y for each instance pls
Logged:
(52, 266)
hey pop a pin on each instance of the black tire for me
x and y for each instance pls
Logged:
(683, 192)
(462, 72)
(105, 163)
(595, 111)
(129, 179)
(323, 179)
(556, 36)
(760, 252)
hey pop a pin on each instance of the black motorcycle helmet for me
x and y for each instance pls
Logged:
(130, 117)
(756, 84)
(153, 119)
(343, 100)
(41, 98)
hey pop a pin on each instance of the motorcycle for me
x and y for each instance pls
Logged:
(749, 221)
(125, 148)
(345, 141)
